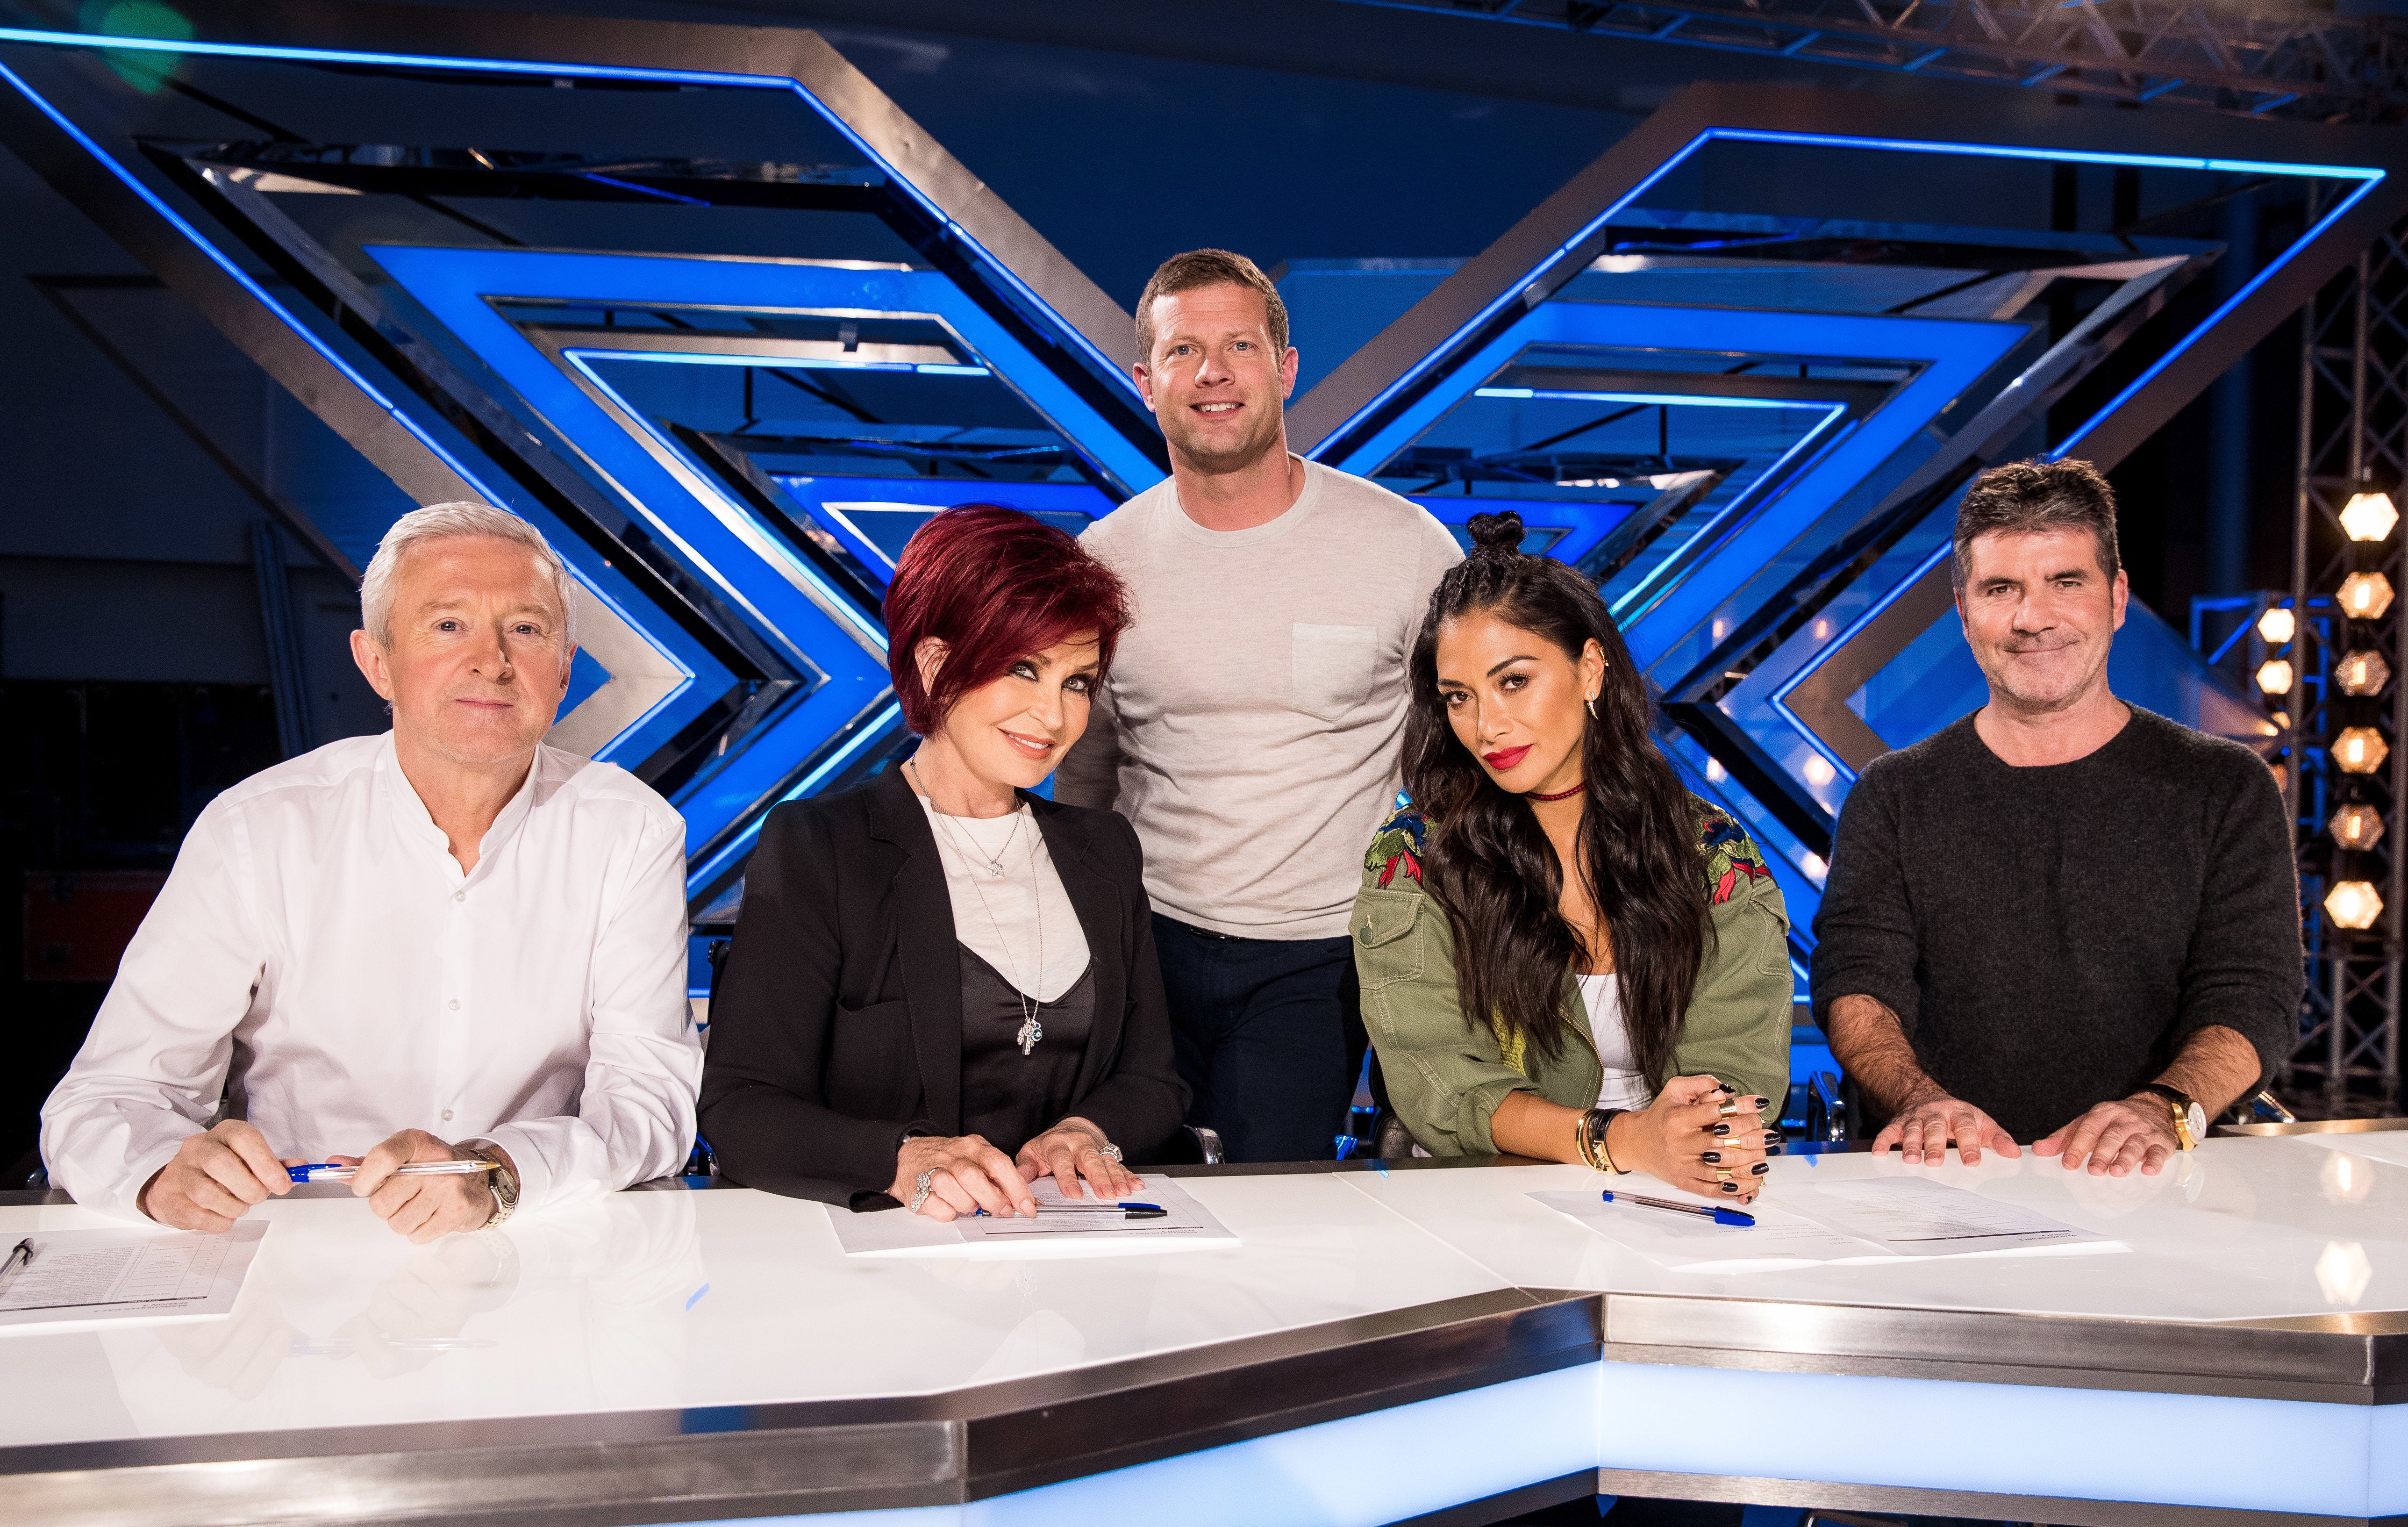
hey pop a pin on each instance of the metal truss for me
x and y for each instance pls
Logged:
(2252, 58)
(2353, 434)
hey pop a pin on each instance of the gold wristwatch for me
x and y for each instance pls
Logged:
(2190, 1119)
(502, 1180)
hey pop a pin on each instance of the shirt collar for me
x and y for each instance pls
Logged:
(416, 823)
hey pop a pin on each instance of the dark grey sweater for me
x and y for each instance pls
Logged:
(2050, 936)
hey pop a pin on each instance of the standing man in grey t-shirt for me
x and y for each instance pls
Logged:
(1250, 726)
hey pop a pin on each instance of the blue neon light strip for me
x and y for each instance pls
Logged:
(1581, 523)
(1780, 701)
(1642, 593)
(1704, 400)
(351, 374)
(995, 267)
(2366, 175)
(880, 726)
(2083, 431)
(784, 363)
(820, 496)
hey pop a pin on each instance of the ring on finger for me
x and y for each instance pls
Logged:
(1729, 1108)
(1724, 1174)
(1111, 1152)
(922, 1188)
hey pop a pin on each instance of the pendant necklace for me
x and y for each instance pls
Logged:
(1031, 1030)
(994, 862)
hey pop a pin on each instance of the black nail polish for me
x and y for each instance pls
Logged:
(1712, 1157)
(1760, 1168)
(1722, 1129)
(1725, 1087)
(1772, 1137)
(1730, 1188)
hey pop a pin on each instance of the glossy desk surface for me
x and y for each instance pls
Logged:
(2258, 1268)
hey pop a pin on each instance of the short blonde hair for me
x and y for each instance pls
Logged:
(1201, 268)
(459, 521)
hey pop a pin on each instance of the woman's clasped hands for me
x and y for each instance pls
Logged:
(947, 1176)
(1700, 1136)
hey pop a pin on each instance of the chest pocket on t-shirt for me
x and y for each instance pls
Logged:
(1332, 668)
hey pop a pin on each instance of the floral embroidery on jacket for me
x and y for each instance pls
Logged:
(1396, 845)
(1730, 854)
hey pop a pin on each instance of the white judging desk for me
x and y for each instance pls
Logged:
(1391, 1341)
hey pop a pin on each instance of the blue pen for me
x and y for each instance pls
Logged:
(1704, 1210)
(1126, 1209)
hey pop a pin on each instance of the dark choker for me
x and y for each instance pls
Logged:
(1560, 795)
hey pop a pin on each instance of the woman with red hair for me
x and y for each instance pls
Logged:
(942, 987)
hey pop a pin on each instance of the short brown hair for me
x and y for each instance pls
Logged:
(1207, 267)
(2029, 497)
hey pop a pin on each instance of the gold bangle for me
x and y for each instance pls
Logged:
(1581, 1143)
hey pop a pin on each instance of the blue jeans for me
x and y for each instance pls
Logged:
(1268, 1036)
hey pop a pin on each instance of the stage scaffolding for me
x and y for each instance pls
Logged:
(2352, 438)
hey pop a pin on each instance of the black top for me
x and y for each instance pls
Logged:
(836, 1023)
(2050, 936)
(1008, 1097)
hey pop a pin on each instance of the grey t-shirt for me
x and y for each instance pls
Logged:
(1251, 727)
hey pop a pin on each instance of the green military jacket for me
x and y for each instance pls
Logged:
(1446, 1076)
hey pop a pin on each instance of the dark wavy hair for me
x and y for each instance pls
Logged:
(994, 586)
(1487, 862)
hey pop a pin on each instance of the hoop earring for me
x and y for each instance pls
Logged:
(1592, 707)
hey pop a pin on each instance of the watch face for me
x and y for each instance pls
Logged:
(2196, 1118)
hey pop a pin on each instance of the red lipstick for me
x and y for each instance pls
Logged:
(1505, 761)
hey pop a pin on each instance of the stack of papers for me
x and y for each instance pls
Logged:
(1187, 1224)
(84, 1276)
(1885, 1220)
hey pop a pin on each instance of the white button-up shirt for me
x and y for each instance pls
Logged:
(318, 959)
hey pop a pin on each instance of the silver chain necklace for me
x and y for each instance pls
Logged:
(1031, 1031)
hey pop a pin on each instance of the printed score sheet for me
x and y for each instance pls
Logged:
(84, 1277)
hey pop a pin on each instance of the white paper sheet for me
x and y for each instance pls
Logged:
(1911, 1217)
(892, 1232)
(79, 1276)
(1890, 1220)
(1777, 1240)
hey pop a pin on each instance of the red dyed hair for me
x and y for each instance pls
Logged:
(994, 586)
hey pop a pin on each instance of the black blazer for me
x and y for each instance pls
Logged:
(836, 1023)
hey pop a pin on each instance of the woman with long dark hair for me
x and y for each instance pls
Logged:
(1565, 954)
(942, 986)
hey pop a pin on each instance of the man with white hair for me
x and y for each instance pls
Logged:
(449, 943)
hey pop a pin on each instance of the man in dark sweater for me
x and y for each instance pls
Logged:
(2062, 919)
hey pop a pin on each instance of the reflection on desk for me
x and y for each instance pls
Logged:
(664, 1300)
(2241, 1229)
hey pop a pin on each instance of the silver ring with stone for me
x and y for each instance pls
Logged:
(926, 1185)
(1111, 1152)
